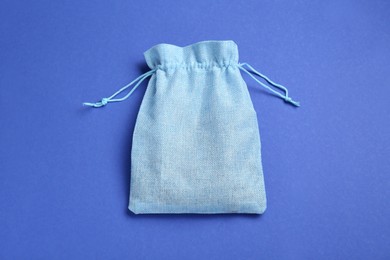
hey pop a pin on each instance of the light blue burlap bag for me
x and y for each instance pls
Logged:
(196, 144)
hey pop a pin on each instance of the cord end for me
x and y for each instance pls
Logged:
(101, 103)
(289, 100)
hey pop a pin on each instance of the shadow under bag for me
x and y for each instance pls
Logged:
(196, 143)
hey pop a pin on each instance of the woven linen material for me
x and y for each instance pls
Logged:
(196, 143)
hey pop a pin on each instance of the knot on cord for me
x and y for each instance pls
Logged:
(104, 101)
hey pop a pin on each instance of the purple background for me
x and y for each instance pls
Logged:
(65, 169)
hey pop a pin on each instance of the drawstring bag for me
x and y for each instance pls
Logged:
(196, 143)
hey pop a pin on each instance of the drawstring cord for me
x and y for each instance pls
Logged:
(112, 98)
(252, 71)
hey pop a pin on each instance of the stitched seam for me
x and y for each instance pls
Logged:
(195, 66)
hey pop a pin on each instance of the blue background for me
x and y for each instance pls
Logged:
(65, 169)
